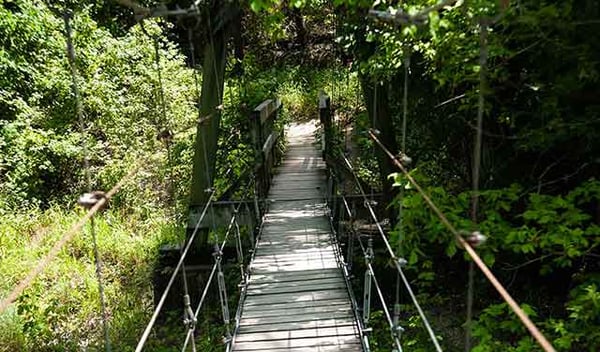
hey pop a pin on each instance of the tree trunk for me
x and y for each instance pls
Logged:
(211, 99)
(376, 97)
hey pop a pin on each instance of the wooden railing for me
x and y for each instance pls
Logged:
(326, 123)
(265, 136)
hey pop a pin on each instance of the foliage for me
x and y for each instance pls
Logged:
(549, 234)
(60, 311)
(41, 173)
(538, 208)
(40, 140)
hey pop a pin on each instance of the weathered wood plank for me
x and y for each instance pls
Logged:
(268, 267)
(317, 343)
(334, 331)
(287, 321)
(296, 298)
(307, 287)
(299, 255)
(297, 304)
(341, 307)
(294, 283)
(303, 262)
(291, 276)
(338, 348)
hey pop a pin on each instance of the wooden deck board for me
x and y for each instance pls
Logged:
(296, 298)
(334, 343)
(339, 307)
(296, 322)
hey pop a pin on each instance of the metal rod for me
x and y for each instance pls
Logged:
(368, 252)
(367, 283)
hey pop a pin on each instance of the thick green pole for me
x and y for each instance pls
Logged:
(378, 107)
(211, 100)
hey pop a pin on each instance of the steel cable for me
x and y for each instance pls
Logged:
(86, 165)
(483, 53)
(161, 302)
(535, 332)
(43, 263)
(382, 299)
(395, 259)
(189, 321)
(232, 222)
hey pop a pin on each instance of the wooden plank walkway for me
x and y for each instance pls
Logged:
(297, 300)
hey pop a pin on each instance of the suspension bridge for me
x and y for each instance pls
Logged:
(296, 288)
(295, 291)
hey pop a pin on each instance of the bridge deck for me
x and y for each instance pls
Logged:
(297, 298)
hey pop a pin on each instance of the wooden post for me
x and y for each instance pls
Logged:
(264, 137)
(325, 117)
(255, 130)
(328, 150)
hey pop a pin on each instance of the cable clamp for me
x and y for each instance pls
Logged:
(209, 190)
(398, 330)
(475, 238)
(369, 254)
(218, 254)
(189, 320)
(370, 203)
(88, 200)
(404, 159)
(204, 119)
(402, 262)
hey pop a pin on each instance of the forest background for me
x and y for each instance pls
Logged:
(539, 199)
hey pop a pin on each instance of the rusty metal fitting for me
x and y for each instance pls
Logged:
(475, 239)
(189, 319)
(88, 200)
(371, 203)
(404, 159)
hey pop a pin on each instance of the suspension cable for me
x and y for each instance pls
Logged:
(86, 165)
(161, 90)
(255, 240)
(218, 254)
(189, 320)
(346, 265)
(535, 332)
(232, 222)
(406, 65)
(43, 263)
(369, 207)
(161, 302)
(483, 53)
(386, 311)
(394, 258)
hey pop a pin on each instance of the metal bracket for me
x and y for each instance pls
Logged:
(189, 319)
(88, 200)
(475, 238)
